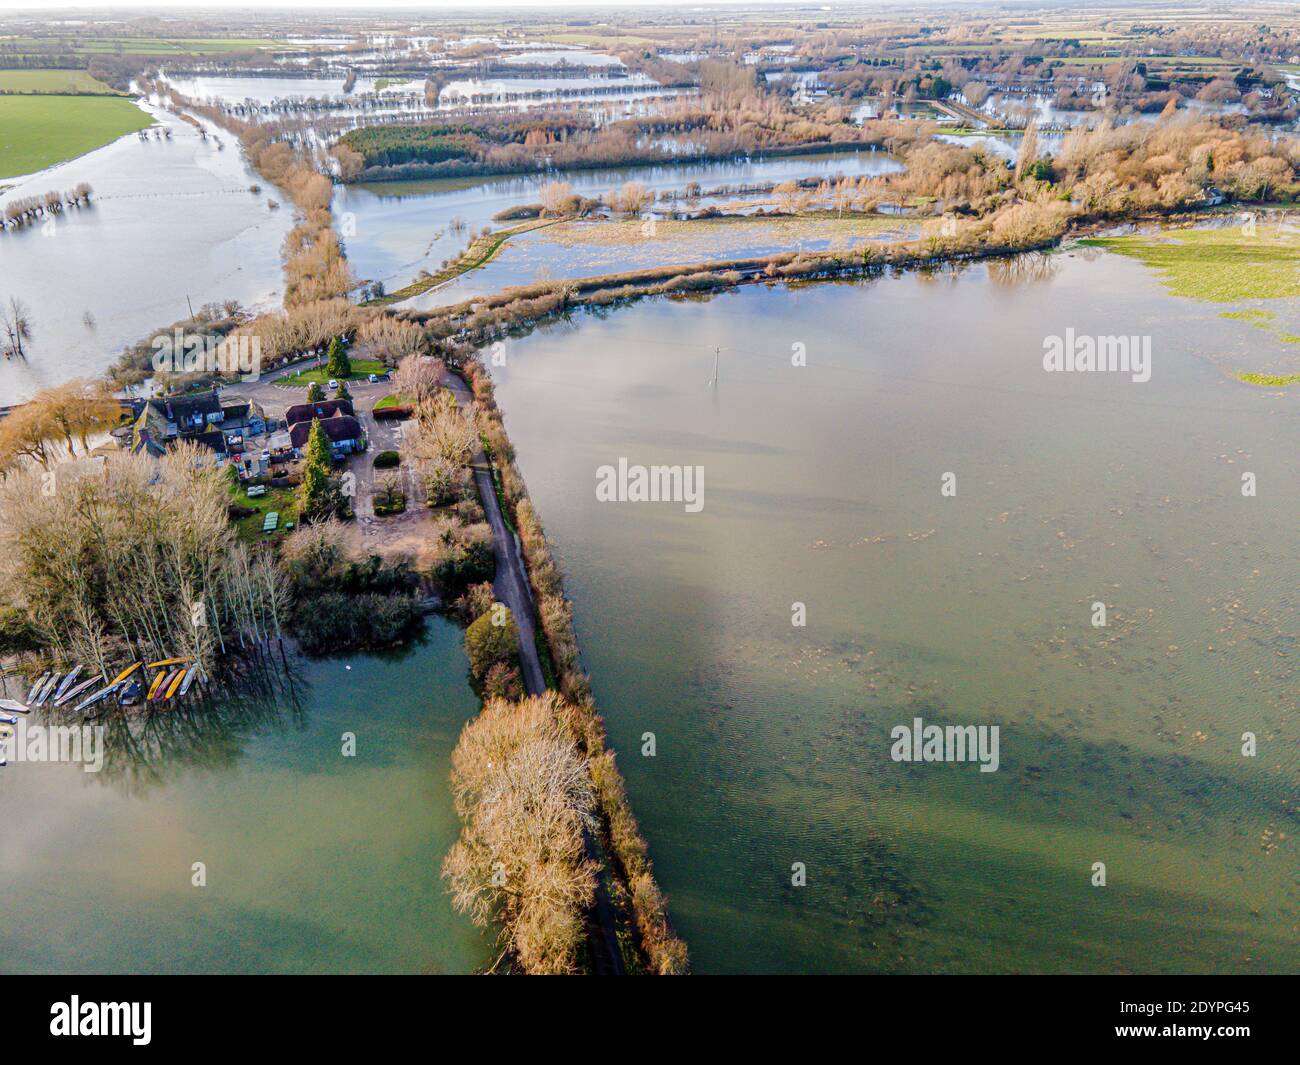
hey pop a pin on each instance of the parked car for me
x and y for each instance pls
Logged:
(333, 383)
(374, 379)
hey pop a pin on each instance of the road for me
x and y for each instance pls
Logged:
(512, 588)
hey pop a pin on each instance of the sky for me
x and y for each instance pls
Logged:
(271, 5)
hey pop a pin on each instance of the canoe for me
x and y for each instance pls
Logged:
(36, 688)
(190, 674)
(98, 696)
(127, 672)
(157, 683)
(171, 662)
(174, 686)
(67, 683)
(72, 693)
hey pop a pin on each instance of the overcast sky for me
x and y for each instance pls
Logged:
(270, 5)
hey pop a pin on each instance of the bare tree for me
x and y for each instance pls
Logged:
(16, 321)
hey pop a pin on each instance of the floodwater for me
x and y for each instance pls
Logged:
(314, 862)
(392, 230)
(170, 220)
(1120, 746)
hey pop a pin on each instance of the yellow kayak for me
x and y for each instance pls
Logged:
(127, 672)
(170, 662)
(157, 683)
(176, 683)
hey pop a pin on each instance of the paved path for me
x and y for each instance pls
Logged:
(511, 583)
(512, 588)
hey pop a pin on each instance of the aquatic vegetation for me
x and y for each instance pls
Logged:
(1270, 380)
(1217, 265)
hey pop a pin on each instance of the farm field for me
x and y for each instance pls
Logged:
(53, 81)
(39, 131)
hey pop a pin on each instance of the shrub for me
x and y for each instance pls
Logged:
(492, 639)
(387, 460)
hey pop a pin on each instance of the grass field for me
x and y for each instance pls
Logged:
(56, 81)
(140, 45)
(1218, 265)
(361, 369)
(39, 131)
(284, 501)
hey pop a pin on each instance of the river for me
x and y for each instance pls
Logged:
(1120, 745)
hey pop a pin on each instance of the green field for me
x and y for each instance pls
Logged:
(361, 369)
(139, 45)
(52, 81)
(1221, 265)
(39, 131)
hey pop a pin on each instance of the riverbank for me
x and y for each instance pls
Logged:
(644, 938)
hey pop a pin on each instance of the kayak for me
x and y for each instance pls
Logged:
(14, 706)
(157, 683)
(72, 693)
(160, 691)
(45, 691)
(174, 686)
(67, 683)
(98, 696)
(36, 688)
(170, 662)
(127, 672)
(190, 674)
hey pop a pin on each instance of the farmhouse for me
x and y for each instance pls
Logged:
(343, 432)
(326, 408)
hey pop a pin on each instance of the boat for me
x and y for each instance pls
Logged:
(127, 672)
(190, 674)
(14, 706)
(171, 662)
(158, 693)
(98, 696)
(45, 691)
(67, 683)
(174, 683)
(5, 719)
(131, 693)
(73, 692)
(157, 683)
(36, 688)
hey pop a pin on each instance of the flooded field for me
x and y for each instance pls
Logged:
(172, 222)
(395, 229)
(1120, 744)
(314, 862)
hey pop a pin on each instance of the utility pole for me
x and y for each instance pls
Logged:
(714, 382)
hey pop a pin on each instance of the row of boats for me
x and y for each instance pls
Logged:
(173, 679)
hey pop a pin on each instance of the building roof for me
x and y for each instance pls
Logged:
(203, 403)
(326, 408)
(339, 430)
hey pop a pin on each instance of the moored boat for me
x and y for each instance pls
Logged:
(35, 689)
(67, 683)
(78, 689)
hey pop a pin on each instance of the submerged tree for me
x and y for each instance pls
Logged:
(524, 795)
